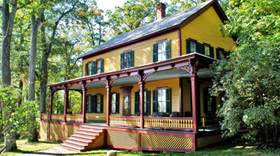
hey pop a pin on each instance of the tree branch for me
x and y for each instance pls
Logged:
(25, 5)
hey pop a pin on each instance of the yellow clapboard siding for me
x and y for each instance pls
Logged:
(143, 53)
(170, 83)
(205, 29)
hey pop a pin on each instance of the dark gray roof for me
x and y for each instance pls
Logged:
(150, 28)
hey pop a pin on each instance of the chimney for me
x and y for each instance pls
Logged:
(160, 10)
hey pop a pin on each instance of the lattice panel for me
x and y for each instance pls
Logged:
(171, 123)
(125, 121)
(119, 138)
(165, 141)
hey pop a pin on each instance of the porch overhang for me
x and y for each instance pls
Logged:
(194, 63)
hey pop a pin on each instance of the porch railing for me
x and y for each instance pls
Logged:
(125, 121)
(58, 117)
(74, 117)
(168, 122)
(44, 116)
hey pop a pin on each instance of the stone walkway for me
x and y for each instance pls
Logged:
(49, 152)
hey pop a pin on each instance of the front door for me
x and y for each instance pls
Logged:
(126, 101)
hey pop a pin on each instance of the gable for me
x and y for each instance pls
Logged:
(205, 29)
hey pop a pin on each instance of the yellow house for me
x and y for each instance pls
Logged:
(147, 89)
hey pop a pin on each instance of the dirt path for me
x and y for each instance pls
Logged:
(49, 152)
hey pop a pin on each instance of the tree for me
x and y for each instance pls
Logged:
(133, 14)
(7, 29)
(250, 80)
(35, 23)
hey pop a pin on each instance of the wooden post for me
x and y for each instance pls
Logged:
(142, 87)
(66, 99)
(84, 102)
(108, 88)
(51, 105)
(194, 101)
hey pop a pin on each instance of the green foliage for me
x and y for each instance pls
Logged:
(13, 115)
(250, 79)
(133, 14)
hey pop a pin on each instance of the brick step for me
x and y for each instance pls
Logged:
(81, 131)
(86, 135)
(76, 142)
(70, 148)
(73, 145)
(91, 129)
(81, 138)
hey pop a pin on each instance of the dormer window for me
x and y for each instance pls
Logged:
(161, 50)
(127, 59)
(94, 67)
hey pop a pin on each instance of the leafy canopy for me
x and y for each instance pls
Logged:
(250, 79)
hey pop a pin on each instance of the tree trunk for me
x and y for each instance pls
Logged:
(44, 70)
(7, 29)
(33, 135)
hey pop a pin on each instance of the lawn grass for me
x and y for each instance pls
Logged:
(25, 147)
(224, 149)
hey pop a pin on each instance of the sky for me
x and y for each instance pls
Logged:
(110, 4)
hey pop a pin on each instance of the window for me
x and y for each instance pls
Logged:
(89, 105)
(94, 67)
(127, 59)
(194, 46)
(95, 103)
(191, 46)
(162, 101)
(207, 50)
(114, 103)
(161, 50)
(209, 102)
(221, 53)
(147, 102)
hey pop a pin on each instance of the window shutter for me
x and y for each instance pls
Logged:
(101, 107)
(202, 49)
(188, 46)
(117, 102)
(136, 107)
(102, 65)
(88, 106)
(93, 67)
(131, 59)
(168, 49)
(168, 100)
(218, 53)
(148, 102)
(122, 55)
(155, 52)
(212, 52)
(198, 47)
(86, 70)
(93, 104)
(155, 101)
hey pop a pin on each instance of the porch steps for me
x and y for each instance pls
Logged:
(83, 139)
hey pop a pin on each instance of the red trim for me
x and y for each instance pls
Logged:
(170, 118)
(167, 149)
(124, 117)
(127, 51)
(108, 89)
(194, 101)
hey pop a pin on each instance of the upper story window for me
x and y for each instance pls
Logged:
(115, 103)
(94, 67)
(95, 103)
(194, 46)
(127, 59)
(147, 102)
(221, 53)
(162, 101)
(161, 50)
